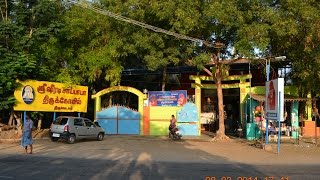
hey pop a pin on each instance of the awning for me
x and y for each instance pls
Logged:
(287, 97)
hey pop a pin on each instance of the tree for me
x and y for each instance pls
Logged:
(154, 51)
(243, 26)
(24, 27)
(86, 48)
(296, 34)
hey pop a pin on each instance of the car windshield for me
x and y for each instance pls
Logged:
(61, 121)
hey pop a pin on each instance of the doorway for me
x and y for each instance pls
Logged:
(231, 101)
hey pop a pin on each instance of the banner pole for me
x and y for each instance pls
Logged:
(279, 122)
(24, 117)
(266, 100)
(54, 116)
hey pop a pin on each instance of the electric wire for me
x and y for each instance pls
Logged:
(89, 6)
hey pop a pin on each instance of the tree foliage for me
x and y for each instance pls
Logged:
(54, 41)
(24, 28)
(296, 34)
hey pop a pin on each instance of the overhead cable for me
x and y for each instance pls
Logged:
(141, 24)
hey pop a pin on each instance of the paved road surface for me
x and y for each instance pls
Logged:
(125, 157)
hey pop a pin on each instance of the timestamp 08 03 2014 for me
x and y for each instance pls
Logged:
(246, 178)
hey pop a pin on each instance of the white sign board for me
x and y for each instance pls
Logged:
(207, 118)
(275, 99)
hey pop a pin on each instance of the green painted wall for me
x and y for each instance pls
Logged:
(159, 128)
(160, 119)
(290, 90)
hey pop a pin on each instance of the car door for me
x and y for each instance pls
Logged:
(79, 127)
(90, 128)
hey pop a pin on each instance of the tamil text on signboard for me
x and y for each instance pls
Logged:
(167, 98)
(51, 97)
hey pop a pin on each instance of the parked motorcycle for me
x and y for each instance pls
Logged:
(174, 133)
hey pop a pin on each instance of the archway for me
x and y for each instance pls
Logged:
(141, 98)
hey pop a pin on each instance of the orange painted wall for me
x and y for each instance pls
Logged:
(146, 120)
(308, 129)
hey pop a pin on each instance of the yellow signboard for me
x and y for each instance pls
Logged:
(51, 97)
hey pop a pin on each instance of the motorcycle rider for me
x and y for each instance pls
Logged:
(172, 124)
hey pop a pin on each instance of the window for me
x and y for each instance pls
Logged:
(60, 121)
(88, 123)
(78, 122)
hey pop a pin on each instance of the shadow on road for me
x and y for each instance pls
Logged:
(137, 159)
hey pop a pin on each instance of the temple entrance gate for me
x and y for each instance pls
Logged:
(118, 119)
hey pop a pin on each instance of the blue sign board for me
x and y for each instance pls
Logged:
(167, 98)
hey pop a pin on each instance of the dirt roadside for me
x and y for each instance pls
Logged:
(15, 134)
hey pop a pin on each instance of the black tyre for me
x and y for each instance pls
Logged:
(100, 136)
(54, 139)
(71, 139)
(176, 137)
(179, 137)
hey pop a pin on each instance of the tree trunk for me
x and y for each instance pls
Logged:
(10, 119)
(220, 107)
(40, 122)
(221, 136)
(110, 100)
(18, 119)
(164, 79)
(6, 22)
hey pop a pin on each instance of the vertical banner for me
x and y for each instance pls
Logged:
(167, 98)
(274, 109)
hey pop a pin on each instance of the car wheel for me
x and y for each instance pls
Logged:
(54, 139)
(100, 136)
(71, 139)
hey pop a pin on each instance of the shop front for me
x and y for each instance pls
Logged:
(235, 90)
(292, 122)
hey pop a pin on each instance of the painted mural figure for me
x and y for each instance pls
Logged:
(28, 93)
(182, 100)
(153, 100)
(271, 97)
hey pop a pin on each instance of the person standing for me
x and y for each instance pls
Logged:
(27, 135)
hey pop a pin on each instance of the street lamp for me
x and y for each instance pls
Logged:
(268, 59)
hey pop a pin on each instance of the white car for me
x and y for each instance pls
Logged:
(73, 128)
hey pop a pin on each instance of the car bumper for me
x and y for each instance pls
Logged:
(63, 135)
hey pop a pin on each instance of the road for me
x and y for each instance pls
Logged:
(126, 157)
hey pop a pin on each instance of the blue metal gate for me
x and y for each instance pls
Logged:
(119, 120)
